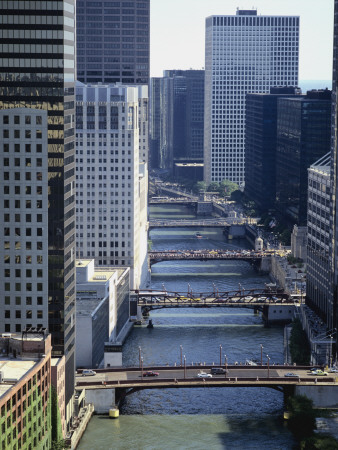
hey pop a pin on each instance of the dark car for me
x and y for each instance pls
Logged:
(150, 373)
(217, 371)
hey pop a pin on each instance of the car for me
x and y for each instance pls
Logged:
(291, 375)
(204, 375)
(88, 373)
(318, 373)
(333, 370)
(217, 370)
(150, 373)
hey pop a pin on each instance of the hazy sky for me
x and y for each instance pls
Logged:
(178, 29)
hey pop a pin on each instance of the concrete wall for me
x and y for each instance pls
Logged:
(84, 342)
(102, 399)
(322, 396)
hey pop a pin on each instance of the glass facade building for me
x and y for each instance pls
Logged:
(261, 145)
(37, 154)
(113, 41)
(303, 136)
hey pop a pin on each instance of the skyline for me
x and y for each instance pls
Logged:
(189, 35)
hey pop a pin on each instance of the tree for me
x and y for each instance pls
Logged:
(200, 186)
(213, 187)
(227, 187)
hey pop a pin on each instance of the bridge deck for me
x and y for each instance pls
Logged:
(236, 376)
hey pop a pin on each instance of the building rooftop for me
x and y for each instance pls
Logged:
(12, 369)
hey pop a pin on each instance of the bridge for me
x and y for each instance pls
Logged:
(199, 223)
(126, 381)
(205, 255)
(250, 298)
(172, 200)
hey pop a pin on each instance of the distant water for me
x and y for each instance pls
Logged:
(308, 85)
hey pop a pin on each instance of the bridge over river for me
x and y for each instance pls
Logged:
(204, 255)
(126, 381)
(198, 223)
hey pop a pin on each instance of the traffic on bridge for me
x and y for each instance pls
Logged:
(273, 376)
(245, 255)
(217, 222)
(152, 299)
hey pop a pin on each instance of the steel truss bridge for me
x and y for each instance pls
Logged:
(249, 298)
(217, 222)
(204, 255)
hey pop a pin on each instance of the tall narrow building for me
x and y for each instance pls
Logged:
(37, 196)
(111, 177)
(113, 41)
(244, 54)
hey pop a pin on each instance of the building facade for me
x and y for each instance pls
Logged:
(318, 279)
(244, 54)
(261, 145)
(177, 118)
(25, 402)
(37, 223)
(113, 41)
(112, 182)
(102, 310)
(303, 136)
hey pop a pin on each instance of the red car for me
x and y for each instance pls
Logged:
(150, 373)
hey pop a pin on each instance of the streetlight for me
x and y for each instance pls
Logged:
(185, 368)
(268, 365)
(220, 355)
(139, 356)
(225, 363)
(181, 352)
(262, 354)
(142, 368)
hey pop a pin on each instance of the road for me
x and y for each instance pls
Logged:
(191, 373)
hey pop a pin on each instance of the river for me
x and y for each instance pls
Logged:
(204, 418)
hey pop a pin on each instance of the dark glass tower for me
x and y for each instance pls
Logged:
(303, 136)
(261, 145)
(113, 41)
(38, 172)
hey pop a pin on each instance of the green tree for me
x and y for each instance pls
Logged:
(213, 187)
(227, 187)
(200, 186)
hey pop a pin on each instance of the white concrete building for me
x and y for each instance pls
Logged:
(112, 176)
(244, 54)
(102, 310)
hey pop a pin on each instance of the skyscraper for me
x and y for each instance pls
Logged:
(111, 177)
(37, 197)
(244, 54)
(113, 41)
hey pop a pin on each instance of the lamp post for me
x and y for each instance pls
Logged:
(139, 356)
(268, 365)
(220, 355)
(142, 368)
(262, 354)
(181, 353)
(185, 367)
(226, 363)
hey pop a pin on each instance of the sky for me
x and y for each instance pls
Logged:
(178, 29)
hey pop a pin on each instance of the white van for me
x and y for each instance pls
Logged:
(88, 372)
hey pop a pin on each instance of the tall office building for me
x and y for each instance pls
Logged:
(303, 136)
(177, 118)
(318, 280)
(37, 197)
(244, 54)
(334, 180)
(112, 187)
(261, 145)
(113, 41)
